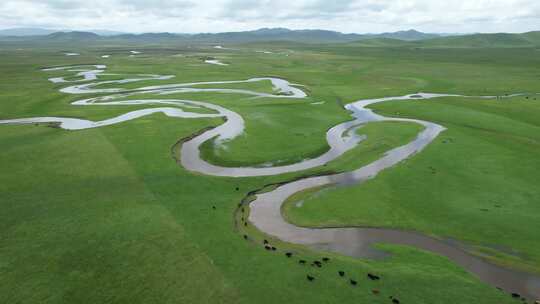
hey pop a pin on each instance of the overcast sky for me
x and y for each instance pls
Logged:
(189, 16)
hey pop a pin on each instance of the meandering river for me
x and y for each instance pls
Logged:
(266, 208)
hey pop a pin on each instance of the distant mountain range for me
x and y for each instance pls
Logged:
(410, 35)
(30, 31)
(26, 31)
(401, 38)
(263, 34)
(498, 40)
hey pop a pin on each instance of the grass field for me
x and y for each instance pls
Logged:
(107, 216)
(480, 172)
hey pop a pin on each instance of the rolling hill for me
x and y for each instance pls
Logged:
(497, 40)
(263, 34)
(26, 31)
(410, 38)
(485, 40)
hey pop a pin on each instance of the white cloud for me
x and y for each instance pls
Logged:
(229, 15)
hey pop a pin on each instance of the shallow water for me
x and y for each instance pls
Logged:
(81, 124)
(339, 144)
(266, 214)
(266, 209)
(233, 126)
(215, 61)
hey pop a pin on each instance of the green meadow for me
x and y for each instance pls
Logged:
(107, 215)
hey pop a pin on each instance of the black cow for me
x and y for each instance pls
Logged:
(373, 277)
(353, 282)
(325, 259)
(310, 278)
(341, 273)
(302, 262)
(288, 254)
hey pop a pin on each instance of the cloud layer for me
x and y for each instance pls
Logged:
(359, 16)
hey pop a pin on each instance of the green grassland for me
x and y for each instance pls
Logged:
(107, 216)
(497, 40)
(481, 172)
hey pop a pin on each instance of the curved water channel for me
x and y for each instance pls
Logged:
(265, 211)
